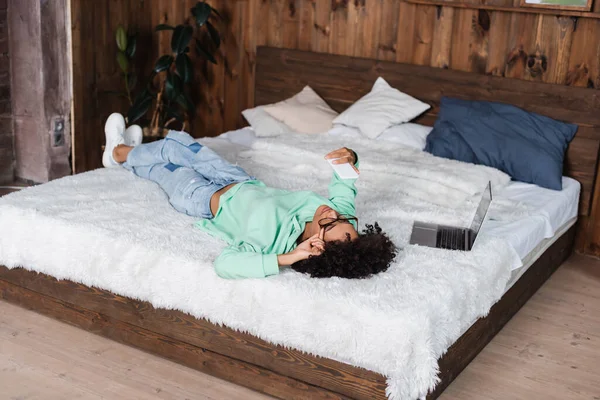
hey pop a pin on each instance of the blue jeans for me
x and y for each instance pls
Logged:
(187, 171)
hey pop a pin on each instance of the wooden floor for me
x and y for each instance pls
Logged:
(549, 350)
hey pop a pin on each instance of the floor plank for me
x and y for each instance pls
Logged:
(41, 358)
(549, 350)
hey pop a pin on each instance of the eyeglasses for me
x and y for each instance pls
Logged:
(328, 223)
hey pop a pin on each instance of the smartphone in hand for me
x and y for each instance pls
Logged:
(344, 171)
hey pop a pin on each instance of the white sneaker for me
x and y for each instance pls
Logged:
(113, 129)
(133, 135)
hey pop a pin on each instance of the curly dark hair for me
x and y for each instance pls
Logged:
(371, 253)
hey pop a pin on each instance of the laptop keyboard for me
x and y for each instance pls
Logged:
(451, 238)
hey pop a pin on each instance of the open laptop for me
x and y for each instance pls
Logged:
(450, 237)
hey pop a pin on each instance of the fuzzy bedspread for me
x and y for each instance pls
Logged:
(110, 229)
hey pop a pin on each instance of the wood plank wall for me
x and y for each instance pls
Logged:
(544, 48)
(7, 152)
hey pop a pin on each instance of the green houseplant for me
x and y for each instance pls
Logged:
(168, 87)
(126, 48)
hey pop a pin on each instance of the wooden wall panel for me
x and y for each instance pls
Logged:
(423, 34)
(552, 47)
(291, 24)
(463, 38)
(262, 29)
(275, 23)
(542, 48)
(521, 35)
(406, 28)
(366, 24)
(497, 41)
(584, 58)
(388, 30)
(322, 26)
(250, 22)
(525, 46)
(306, 15)
(442, 37)
(232, 74)
(340, 41)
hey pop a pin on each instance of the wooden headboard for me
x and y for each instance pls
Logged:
(342, 80)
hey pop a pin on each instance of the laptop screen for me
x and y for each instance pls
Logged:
(484, 204)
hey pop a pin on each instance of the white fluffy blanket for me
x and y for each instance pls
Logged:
(110, 229)
(418, 186)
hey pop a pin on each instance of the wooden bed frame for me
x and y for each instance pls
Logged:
(290, 374)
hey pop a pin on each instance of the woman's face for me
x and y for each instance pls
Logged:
(338, 231)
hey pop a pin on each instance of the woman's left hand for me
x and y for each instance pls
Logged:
(313, 246)
(343, 155)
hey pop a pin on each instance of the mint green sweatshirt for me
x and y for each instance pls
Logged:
(259, 222)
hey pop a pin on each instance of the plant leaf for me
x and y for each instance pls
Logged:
(139, 108)
(204, 53)
(172, 86)
(190, 103)
(214, 34)
(131, 81)
(181, 37)
(184, 67)
(123, 61)
(121, 37)
(214, 10)
(163, 63)
(144, 94)
(163, 27)
(131, 46)
(201, 11)
(186, 102)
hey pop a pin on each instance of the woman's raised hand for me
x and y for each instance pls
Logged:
(343, 155)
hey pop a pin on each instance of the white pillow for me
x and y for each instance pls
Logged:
(306, 112)
(263, 124)
(410, 135)
(381, 108)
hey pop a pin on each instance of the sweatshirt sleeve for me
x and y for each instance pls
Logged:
(235, 263)
(342, 193)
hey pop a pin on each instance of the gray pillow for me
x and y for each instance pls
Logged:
(527, 146)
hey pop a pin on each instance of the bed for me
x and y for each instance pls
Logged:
(288, 373)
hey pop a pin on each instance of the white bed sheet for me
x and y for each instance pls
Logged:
(552, 208)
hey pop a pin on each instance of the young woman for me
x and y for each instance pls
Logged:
(266, 228)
